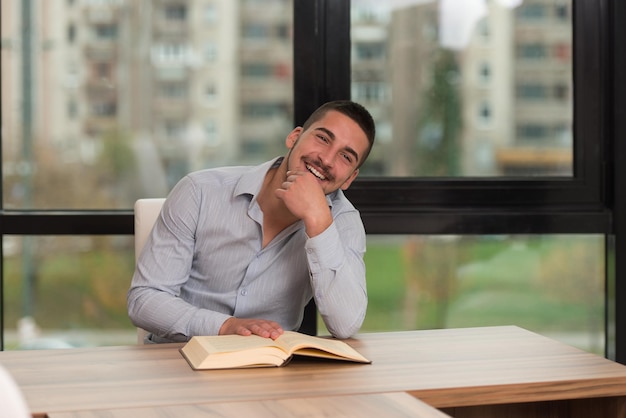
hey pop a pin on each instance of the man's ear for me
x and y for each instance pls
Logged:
(293, 136)
(348, 182)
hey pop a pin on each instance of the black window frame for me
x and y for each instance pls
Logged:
(588, 203)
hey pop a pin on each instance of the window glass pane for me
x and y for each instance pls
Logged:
(466, 88)
(104, 102)
(549, 284)
(67, 291)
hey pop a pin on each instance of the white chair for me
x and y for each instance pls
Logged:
(146, 213)
(12, 402)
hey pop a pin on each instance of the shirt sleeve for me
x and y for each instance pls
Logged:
(163, 267)
(337, 270)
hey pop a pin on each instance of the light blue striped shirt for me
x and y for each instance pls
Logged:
(204, 262)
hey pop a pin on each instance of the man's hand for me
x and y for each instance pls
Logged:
(246, 326)
(305, 199)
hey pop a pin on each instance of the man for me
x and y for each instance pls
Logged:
(242, 250)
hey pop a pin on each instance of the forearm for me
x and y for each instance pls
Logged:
(338, 279)
(169, 316)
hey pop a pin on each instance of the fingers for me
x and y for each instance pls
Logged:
(260, 327)
(264, 330)
(290, 178)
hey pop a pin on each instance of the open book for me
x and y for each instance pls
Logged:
(238, 351)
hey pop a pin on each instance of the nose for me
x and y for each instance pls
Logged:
(327, 157)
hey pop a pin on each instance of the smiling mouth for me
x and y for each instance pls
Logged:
(316, 173)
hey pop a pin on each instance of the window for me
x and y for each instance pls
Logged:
(212, 133)
(368, 92)
(520, 190)
(71, 33)
(174, 90)
(484, 73)
(451, 281)
(178, 54)
(176, 12)
(210, 53)
(561, 11)
(72, 109)
(532, 11)
(106, 32)
(210, 94)
(367, 51)
(257, 31)
(211, 15)
(103, 109)
(532, 51)
(257, 70)
(484, 115)
(532, 131)
(531, 91)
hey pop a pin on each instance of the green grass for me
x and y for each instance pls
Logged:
(496, 282)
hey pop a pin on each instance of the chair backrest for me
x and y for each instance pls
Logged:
(12, 402)
(146, 213)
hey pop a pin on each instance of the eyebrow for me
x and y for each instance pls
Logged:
(349, 150)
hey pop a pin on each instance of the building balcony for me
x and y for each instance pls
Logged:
(101, 51)
(169, 27)
(102, 14)
(97, 125)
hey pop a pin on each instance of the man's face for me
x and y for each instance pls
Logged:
(331, 149)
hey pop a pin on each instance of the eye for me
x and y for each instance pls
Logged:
(322, 138)
(347, 157)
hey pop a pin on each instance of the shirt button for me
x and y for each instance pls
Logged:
(244, 292)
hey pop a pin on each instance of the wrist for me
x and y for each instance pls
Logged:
(316, 225)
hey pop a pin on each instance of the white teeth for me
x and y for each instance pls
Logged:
(315, 172)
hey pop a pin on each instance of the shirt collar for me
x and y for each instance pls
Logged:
(252, 180)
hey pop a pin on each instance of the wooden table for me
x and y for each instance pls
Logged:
(388, 405)
(472, 372)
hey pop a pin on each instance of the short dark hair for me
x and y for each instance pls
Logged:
(354, 111)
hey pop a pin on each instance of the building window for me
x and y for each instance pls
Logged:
(174, 129)
(484, 73)
(172, 54)
(532, 11)
(210, 52)
(484, 30)
(370, 51)
(72, 109)
(283, 32)
(561, 11)
(485, 114)
(176, 12)
(561, 92)
(71, 33)
(257, 70)
(531, 91)
(253, 31)
(210, 93)
(532, 131)
(368, 91)
(106, 32)
(210, 14)
(262, 109)
(531, 51)
(105, 109)
(211, 131)
(173, 90)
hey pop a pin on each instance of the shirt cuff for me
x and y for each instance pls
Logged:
(324, 251)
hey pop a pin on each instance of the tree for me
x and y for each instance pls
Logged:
(437, 147)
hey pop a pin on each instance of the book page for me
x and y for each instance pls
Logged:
(297, 343)
(233, 343)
